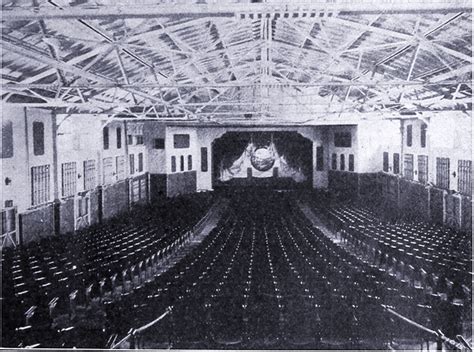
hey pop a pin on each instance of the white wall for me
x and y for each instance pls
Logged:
(18, 168)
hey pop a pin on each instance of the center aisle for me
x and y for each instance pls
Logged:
(262, 278)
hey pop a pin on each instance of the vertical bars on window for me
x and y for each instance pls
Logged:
(181, 163)
(204, 166)
(320, 158)
(465, 177)
(89, 174)
(442, 172)
(40, 184)
(343, 162)
(385, 162)
(351, 162)
(423, 168)
(408, 166)
(69, 179)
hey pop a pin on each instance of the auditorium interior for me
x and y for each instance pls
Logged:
(236, 174)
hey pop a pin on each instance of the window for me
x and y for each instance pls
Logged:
(319, 158)
(351, 162)
(138, 190)
(105, 137)
(385, 162)
(396, 163)
(423, 135)
(131, 160)
(120, 167)
(409, 135)
(7, 139)
(465, 177)
(83, 207)
(159, 143)
(119, 137)
(190, 162)
(89, 174)
(38, 138)
(181, 141)
(140, 162)
(442, 172)
(173, 164)
(139, 140)
(408, 166)
(204, 165)
(423, 168)
(343, 139)
(108, 167)
(343, 162)
(334, 161)
(69, 179)
(129, 139)
(40, 184)
(181, 164)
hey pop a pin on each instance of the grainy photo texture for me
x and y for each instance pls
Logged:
(236, 174)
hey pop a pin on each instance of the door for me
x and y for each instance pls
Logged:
(82, 210)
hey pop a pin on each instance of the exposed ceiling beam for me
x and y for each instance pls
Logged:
(228, 9)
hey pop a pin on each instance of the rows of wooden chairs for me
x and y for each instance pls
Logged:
(50, 286)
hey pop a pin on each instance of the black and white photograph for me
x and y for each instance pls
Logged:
(236, 175)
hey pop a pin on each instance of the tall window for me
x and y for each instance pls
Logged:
(119, 137)
(69, 179)
(408, 166)
(105, 137)
(334, 161)
(465, 177)
(320, 158)
(343, 162)
(131, 160)
(423, 168)
(173, 164)
(385, 162)
(351, 162)
(120, 167)
(190, 162)
(89, 174)
(40, 184)
(140, 162)
(423, 135)
(139, 139)
(129, 139)
(204, 161)
(442, 172)
(396, 163)
(181, 164)
(38, 138)
(409, 135)
(7, 139)
(108, 167)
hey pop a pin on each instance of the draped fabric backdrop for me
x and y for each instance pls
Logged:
(263, 152)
